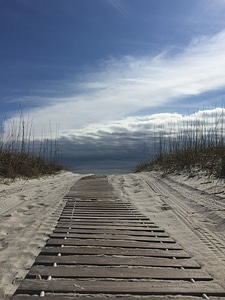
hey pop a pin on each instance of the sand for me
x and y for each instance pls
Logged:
(29, 210)
(190, 208)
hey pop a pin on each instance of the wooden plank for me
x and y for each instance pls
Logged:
(137, 227)
(109, 201)
(108, 297)
(100, 204)
(117, 287)
(118, 272)
(105, 218)
(115, 251)
(102, 211)
(101, 208)
(110, 208)
(113, 231)
(117, 261)
(113, 237)
(113, 243)
(106, 209)
(104, 215)
(102, 223)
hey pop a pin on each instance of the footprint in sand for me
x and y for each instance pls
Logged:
(30, 206)
(19, 227)
(21, 210)
(3, 244)
(9, 215)
(22, 197)
(25, 209)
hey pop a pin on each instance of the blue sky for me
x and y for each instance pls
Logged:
(103, 72)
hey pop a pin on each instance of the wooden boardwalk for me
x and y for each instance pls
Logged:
(104, 248)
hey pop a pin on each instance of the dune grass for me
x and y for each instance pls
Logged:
(22, 156)
(193, 145)
(15, 164)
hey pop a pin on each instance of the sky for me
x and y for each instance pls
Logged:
(104, 76)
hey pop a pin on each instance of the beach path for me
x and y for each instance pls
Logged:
(104, 246)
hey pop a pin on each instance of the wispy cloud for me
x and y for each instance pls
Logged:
(117, 4)
(123, 87)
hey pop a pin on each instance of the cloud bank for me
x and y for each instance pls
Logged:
(118, 146)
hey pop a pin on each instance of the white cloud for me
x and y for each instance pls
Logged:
(123, 87)
(152, 124)
(117, 4)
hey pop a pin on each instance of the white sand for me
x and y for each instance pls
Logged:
(28, 213)
(191, 210)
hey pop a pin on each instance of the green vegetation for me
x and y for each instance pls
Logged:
(196, 144)
(22, 156)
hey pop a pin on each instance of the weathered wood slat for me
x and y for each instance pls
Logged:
(136, 227)
(82, 250)
(89, 212)
(110, 297)
(128, 220)
(119, 261)
(118, 272)
(104, 215)
(103, 210)
(111, 231)
(115, 287)
(114, 243)
(102, 204)
(113, 237)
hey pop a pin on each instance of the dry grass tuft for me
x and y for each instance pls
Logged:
(196, 145)
(20, 156)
